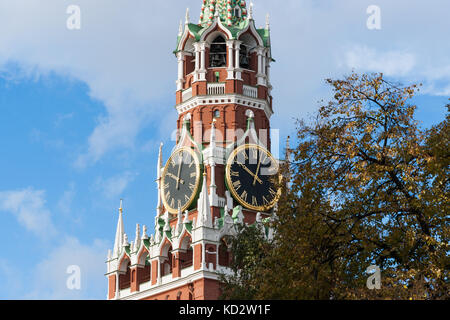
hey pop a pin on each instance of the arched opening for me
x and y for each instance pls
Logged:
(218, 53)
(179, 295)
(247, 58)
(125, 279)
(166, 265)
(190, 57)
(144, 273)
(224, 254)
(186, 253)
(244, 58)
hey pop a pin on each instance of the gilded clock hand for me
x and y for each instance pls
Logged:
(178, 178)
(175, 178)
(251, 173)
(257, 170)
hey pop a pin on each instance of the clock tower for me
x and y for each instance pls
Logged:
(220, 172)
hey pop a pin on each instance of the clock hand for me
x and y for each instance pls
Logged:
(175, 178)
(178, 178)
(251, 173)
(257, 170)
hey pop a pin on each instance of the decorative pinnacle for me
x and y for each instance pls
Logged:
(250, 12)
(187, 16)
(180, 29)
(121, 207)
(216, 11)
(267, 21)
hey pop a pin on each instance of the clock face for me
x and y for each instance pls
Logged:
(249, 174)
(180, 180)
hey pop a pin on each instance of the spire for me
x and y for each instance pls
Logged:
(180, 29)
(118, 243)
(287, 161)
(179, 226)
(137, 240)
(186, 217)
(158, 180)
(250, 120)
(187, 16)
(167, 223)
(288, 149)
(250, 15)
(204, 208)
(216, 11)
(213, 134)
(160, 165)
(144, 232)
(268, 22)
(212, 146)
(125, 240)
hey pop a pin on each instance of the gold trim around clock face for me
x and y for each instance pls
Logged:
(232, 189)
(194, 194)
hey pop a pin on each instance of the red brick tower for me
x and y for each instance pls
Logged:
(219, 170)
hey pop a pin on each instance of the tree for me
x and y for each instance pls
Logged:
(367, 187)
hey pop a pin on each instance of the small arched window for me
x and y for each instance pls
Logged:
(218, 53)
(237, 12)
(216, 113)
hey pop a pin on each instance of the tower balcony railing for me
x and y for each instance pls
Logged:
(216, 88)
(250, 91)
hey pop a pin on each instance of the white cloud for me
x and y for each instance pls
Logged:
(28, 206)
(120, 53)
(123, 53)
(391, 63)
(65, 203)
(50, 275)
(114, 187)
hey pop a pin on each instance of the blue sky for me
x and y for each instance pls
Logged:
(82, 112)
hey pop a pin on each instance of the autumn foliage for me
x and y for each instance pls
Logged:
(367, 186)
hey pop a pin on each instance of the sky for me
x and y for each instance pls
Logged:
(82, 112)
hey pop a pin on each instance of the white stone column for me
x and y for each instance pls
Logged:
(202, 71)
(264, 62)
(260, 75)
(237, 50)
(269, 85)
(230, 70)
(197, 61)
(180, 80)
(159, 271)
(117, 286)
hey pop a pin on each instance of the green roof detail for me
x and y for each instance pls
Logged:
(147, 243)
(235, 24)
(189, 226)
(230, 12)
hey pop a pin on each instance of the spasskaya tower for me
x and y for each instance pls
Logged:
(220, 172)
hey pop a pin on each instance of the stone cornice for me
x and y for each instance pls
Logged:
(238, 99)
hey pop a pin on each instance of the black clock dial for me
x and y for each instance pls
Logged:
(249, 174)
(180, 180)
